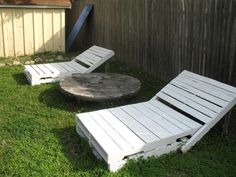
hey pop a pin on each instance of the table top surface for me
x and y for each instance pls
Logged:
(100, 86)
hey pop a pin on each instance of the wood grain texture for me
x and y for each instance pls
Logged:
(2, 50)
(27, 31)
(100, 87)
(38, 30)
(164, 37)
(8, 37)
(18, 31)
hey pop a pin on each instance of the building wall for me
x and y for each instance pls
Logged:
(28, 31)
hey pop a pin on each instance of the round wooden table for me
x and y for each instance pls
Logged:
(100, 86)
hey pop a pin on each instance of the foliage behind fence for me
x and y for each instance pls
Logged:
(164, 37)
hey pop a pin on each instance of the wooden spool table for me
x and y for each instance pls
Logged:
(100, 86)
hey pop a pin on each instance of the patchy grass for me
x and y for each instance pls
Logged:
(45, 56)
(38, 137)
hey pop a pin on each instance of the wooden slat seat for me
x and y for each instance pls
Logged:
(83, 63)
(177, 117)
(121, 132)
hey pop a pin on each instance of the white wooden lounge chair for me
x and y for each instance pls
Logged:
(84, 63)
(177, 117)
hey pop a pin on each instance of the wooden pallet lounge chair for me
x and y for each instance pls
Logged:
(84, 63)
(177, 117)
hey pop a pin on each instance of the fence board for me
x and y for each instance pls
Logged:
(164, 37)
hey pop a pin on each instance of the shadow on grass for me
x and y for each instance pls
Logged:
(77, 150)
(54, 98)
(20, 79)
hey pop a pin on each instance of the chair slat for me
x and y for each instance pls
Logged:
(210, 81)
(172, 128)
(184, 107)
(141, 131)
(199, 93)
(185, 100)
(151, 125)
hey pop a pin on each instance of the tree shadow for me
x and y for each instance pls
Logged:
(77, 150)
(20, 79)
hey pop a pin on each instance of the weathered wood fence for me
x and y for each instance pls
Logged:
(164, 37)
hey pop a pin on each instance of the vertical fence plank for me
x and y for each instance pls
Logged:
(165, 37)
(38, 30)
(28, 31)
(57, 37)
(8, 32)
(2, 50)
(18, 31)
(48, 29)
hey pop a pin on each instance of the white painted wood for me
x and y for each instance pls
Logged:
(200, 116)
(213, 82)
(120, 127)
(185, 100)
(73, 66)
(28, 31)
(200, 93)
(88, 59)
(38, 30)
(97, 53)
(162, 108)
(96, 65)
(114, 135)
(156, 125)
(8, 32)
(206, 88)
(164, 115)
(157, 152)
(99, 134)
(199, 134)
(81, 68)
(169, 126)
(141, 131)
(66, 66)
(114, 153)
(32, 71)
(59, 67)
(45, 70)
(151, 125)
(83, 60)
(92, 56)
(38, 70)
(53, 72)
(94, 144)
(18, 33)
(194, 98)
(102, 49)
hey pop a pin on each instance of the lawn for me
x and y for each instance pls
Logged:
(38, 137)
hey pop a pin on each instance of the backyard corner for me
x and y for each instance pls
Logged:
(38, 136)
(117, 88)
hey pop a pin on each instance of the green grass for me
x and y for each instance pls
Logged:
(38, 137)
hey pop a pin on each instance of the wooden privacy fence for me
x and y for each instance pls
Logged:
(25, 31)
(164, 37)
